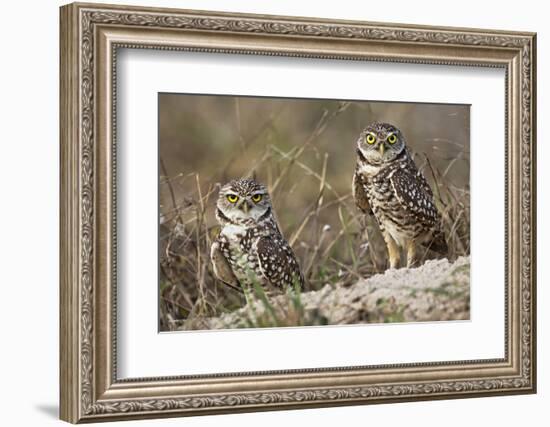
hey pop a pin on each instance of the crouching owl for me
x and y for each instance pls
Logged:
(388, 185)
(250, 247)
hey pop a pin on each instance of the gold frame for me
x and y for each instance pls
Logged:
(90, 36)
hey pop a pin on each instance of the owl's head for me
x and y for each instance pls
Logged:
(243, 201)
(380, 143)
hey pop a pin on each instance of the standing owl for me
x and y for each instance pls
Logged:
(250, 247)
(388, 184)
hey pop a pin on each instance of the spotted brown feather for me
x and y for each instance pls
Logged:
(278, 262)
(415, 196)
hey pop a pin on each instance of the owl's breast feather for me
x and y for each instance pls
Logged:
(240, 242)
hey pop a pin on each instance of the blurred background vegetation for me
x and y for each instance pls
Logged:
(304, 151)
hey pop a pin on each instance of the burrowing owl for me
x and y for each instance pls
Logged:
(250, 247)
(388, 184)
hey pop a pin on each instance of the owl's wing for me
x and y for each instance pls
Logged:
(278, 262)
(360, 194)
(415, 195)
(222, 269)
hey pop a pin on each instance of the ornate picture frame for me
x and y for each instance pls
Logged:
(91, 34)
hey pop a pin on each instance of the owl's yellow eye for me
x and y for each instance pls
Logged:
(232, 198)
(392, 139)
(256, 198)
(371, 139)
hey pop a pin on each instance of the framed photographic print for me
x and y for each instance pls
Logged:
(263, 212)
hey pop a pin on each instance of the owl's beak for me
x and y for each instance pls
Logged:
(382, 147)
(245, 207)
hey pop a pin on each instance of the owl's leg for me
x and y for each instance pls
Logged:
(412, 260)
(394, 253)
